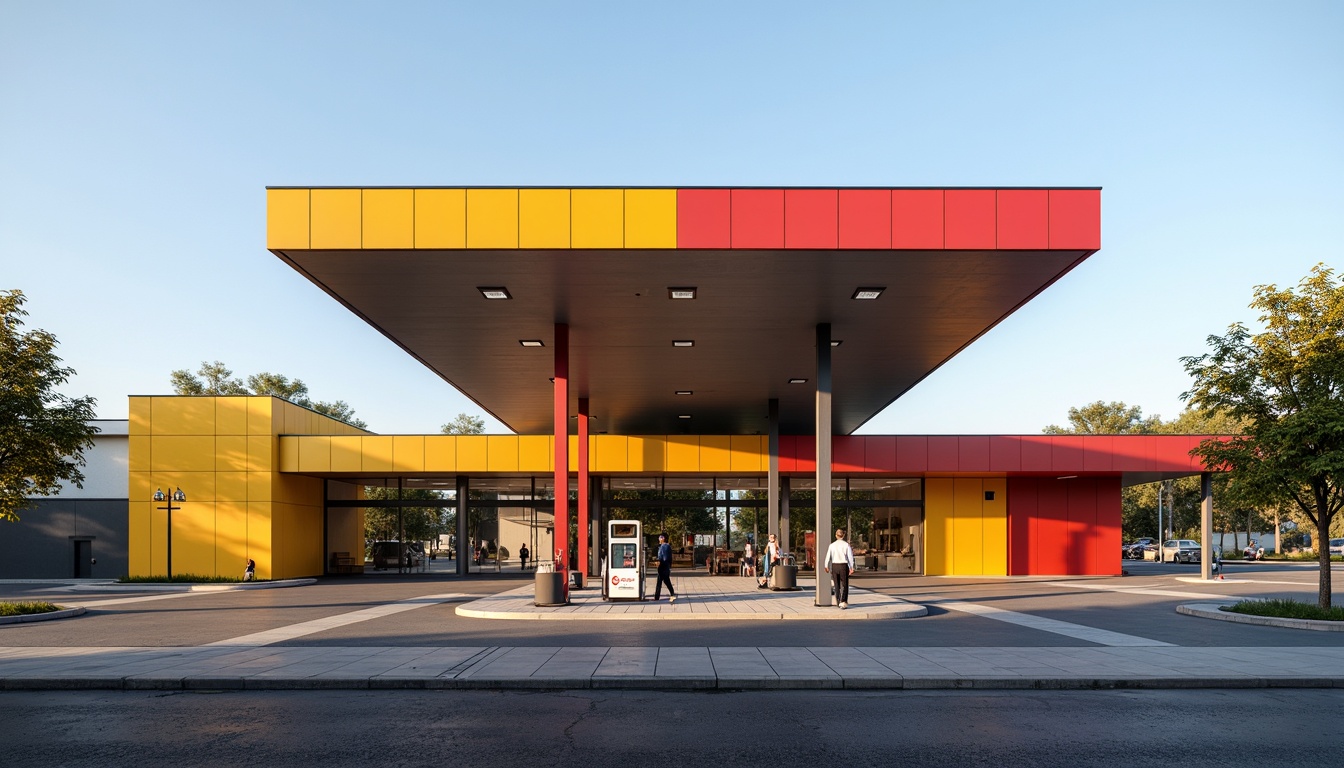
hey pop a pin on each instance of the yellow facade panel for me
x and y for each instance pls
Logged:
(194, 539)
(939, 497)
(183, 453)
(198, 486)
(440, 453)
(182, 415)
(543, 218)
(650, 218)
(230, 415)
(440, 218)
(714, 453)
(646, 453)
(314, 453)
(683, 453)
(259, 486)
(609, 453)
(347, 454)
(140, 486)
(389, 218)
(472, 454)
(289, 453)
(968, 528)
(996, 527)
(231, 537)
(492, 218)
(230, 486)
(598, 218)
(158, 540)
(573, 453)
(260, 415)
(138, 453)
(297, 489)
(535, 453)
(141, 408)
(230, 453)
(501, 453)
(138, 538)
(408, 453)
(748, 453)
(377, 453)
(335, 220)
(261, 451)
(259, 536)
(286, 219)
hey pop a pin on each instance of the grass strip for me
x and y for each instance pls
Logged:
(27, 609)
(1287, 609)
(181, 578)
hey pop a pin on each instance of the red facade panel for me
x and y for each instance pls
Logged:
(758, 218)
(1080, 550)
(1022, 514)
(847, 454)
(973, 453)
(1097, 453)
(879, 453)
(865, 218)
(1005, 453)
(1064, 527)
(917, 219)
(703, 218)
(1023, 219)
(1036, 453)
(805, 454)
(970, 219)
(943, 453)
(1108, 526)
(912, 454)
(811, 218)
(1075, 219)
(1066, 454)
(1050, 547)
(1131, 453)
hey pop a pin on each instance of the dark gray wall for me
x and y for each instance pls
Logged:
(40, 545)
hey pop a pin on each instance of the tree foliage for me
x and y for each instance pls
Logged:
(464, 424)
(1102, 418)
(216, 379)
(43, 433)
(1287, 384)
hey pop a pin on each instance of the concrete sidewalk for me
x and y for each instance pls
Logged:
(674, 668)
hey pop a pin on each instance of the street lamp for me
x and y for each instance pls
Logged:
(177, 495)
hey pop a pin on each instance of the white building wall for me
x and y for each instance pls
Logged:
(106, 465)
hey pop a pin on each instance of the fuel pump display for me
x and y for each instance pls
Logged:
(623, 567)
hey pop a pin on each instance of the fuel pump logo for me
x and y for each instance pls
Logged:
(615, 580)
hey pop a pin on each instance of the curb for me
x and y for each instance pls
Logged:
(1211, 611)
(282, 583)
(909, 612)
(64, 613)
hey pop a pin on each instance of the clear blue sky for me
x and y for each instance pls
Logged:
(136, 140)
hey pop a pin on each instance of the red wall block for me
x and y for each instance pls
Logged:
(758, 218)
(1005, 453)
(847, 453)
(943, 453)
(970, 223)
(1131, 453)
(1064, 527)
(788, 461)
(865, 218)
(912, 454)
(1050, 547)
(1066, 454)
(879, 453)
(811, 218)
(917, 219)
(703, 218)
(1023, 219)
(1097, 453)
(1075, 219)
(1108, 526)
(1036, 453)
(1080, 551)
(1022, 504)
(973, 453)
(805, 453)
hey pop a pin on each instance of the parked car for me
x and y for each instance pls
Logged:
(1337, 546)
(385, 554)
(1134, 549)
(1181, 551)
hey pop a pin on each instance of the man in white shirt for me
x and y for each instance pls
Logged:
(840, 562)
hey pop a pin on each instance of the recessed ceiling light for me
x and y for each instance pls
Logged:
(835, 343)
(1067, 477)
(868, 294)
(684, 392)
(684, 416)
(495, 294)
(797, 381)
(531, 342)
(681, 293)
(683, 343)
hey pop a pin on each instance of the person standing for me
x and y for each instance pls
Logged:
(523, 553)
(250, 570)
(840, 562)
(771, 559)
(749, 560)
(664, 559)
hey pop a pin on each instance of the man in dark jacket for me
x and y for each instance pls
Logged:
(664, 559)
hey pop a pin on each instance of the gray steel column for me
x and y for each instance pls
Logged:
(772, 481)
(784, 489)
(823, 430)
(463, 555)
(594, 526)
(1206, 526)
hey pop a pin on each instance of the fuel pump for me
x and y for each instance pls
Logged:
(623, 567)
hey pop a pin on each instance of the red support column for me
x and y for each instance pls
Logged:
(584, 489)
(561, 538)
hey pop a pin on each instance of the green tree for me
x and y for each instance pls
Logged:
(464, 424)
(421, 523)
(1102, 418)
(43, 433)
(216, 379)
(1287, 384)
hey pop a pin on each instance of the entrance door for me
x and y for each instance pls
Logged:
(84, 559)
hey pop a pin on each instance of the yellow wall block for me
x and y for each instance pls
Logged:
(650, 218)
(598, 218)
(714, 453)
(260, 415)
(645, 453)
(408, 453)
(261, 453)
(314, 453)
(286, 218)
(183, 416)
(347, 454)
(472, 453)
(389, 218)
(968, 528)
(748, 453)
(140, 486)
(996, 527)
(259, 486)
(440, 218)
(194, 539)
(609, 453)
(543, 218)
(683, 453)
(198, 486)
(297, 489)
(138, 538)
(535, 453)
(939, 497)
(492, 218)
(139, 453)
(440, 453)
(158, 540)
(231, 486)
(230, 415)
(141, 408)
(573, 453)
(230, 453)
(231, 537)
(335, 222)
(259, 536)
(377, 453)
(501, 453)
(181, 453)
(289, 453)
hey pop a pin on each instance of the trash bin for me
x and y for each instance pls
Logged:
(549, 586)
(784, 576)
(578, 579)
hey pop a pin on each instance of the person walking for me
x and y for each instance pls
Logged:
(664, 559)
(840, 562)
(523, 554)
(770, 560)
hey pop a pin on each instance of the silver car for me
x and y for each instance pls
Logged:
(1180, 551)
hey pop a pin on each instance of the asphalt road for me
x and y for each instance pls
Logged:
(621, 729)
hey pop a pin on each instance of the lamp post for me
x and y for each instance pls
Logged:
(179, 496)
